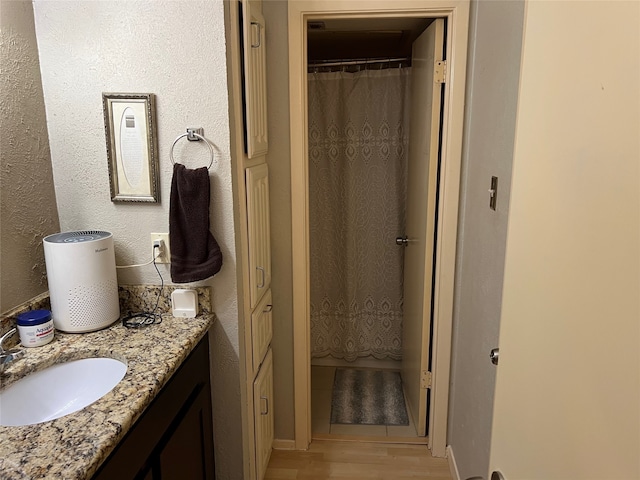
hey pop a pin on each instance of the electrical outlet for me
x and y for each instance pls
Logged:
(164, 256)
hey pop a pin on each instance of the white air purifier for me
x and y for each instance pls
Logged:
(83, 286)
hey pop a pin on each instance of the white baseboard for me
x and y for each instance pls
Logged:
(453, 467)
(284, 444)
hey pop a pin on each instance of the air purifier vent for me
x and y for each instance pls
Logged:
(77, 237)
(96, 298)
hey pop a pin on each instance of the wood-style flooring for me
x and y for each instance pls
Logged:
(327, 459)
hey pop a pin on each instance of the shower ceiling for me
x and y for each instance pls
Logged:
(336, 39)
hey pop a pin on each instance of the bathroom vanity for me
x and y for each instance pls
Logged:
(173, 439)
(156, 421)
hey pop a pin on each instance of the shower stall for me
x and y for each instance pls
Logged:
(357, 35)
(358, 141)
(372, 176)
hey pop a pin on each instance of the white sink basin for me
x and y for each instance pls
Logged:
(59, 390)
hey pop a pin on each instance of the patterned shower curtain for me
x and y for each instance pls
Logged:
(358, 140)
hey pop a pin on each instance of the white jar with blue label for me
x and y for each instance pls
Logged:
(35, 327)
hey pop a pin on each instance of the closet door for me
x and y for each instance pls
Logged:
(255, 80)
(259, 231)
(263, 405)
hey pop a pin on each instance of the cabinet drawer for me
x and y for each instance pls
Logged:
(263, 405)
(261, 330)
(258, 229)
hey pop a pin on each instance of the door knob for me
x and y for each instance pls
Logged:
(404, 241)
(495, 353)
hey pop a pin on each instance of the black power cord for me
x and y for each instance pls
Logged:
(144, 319)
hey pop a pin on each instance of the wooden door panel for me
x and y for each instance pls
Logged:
(261, 330)
(257, 179)
(421, 211)
(263, 405)
(255, 81)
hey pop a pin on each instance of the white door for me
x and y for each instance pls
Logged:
(421, 209)
(567, 400)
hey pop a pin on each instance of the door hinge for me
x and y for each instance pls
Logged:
(440, 71)
(425, 379)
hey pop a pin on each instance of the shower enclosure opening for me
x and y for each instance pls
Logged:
(358, 140)
(368, 298)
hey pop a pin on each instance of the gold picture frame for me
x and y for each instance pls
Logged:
(132, 151)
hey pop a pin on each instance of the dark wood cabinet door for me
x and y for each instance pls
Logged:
(188, 453)
(173, 439)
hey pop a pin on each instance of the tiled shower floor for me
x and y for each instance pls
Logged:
(321, 388)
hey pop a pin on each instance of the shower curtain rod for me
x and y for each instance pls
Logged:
(364, 61)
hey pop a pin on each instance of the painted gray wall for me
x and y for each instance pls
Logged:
(278, 158)
(177, 51)
(27, 199)
(492, 88)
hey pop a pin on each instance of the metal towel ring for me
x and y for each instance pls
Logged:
(190, 136)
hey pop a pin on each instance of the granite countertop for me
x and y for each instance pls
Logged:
(74, 446)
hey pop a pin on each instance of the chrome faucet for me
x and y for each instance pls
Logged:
(8, 356)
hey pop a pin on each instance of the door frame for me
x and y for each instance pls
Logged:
(457, 14)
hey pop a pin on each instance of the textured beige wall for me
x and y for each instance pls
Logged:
(27, 199)
(492, 92)
(175, 50)
(278, 158)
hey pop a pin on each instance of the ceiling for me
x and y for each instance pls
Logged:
(359, 38)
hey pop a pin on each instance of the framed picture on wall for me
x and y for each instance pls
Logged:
(132, 151)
